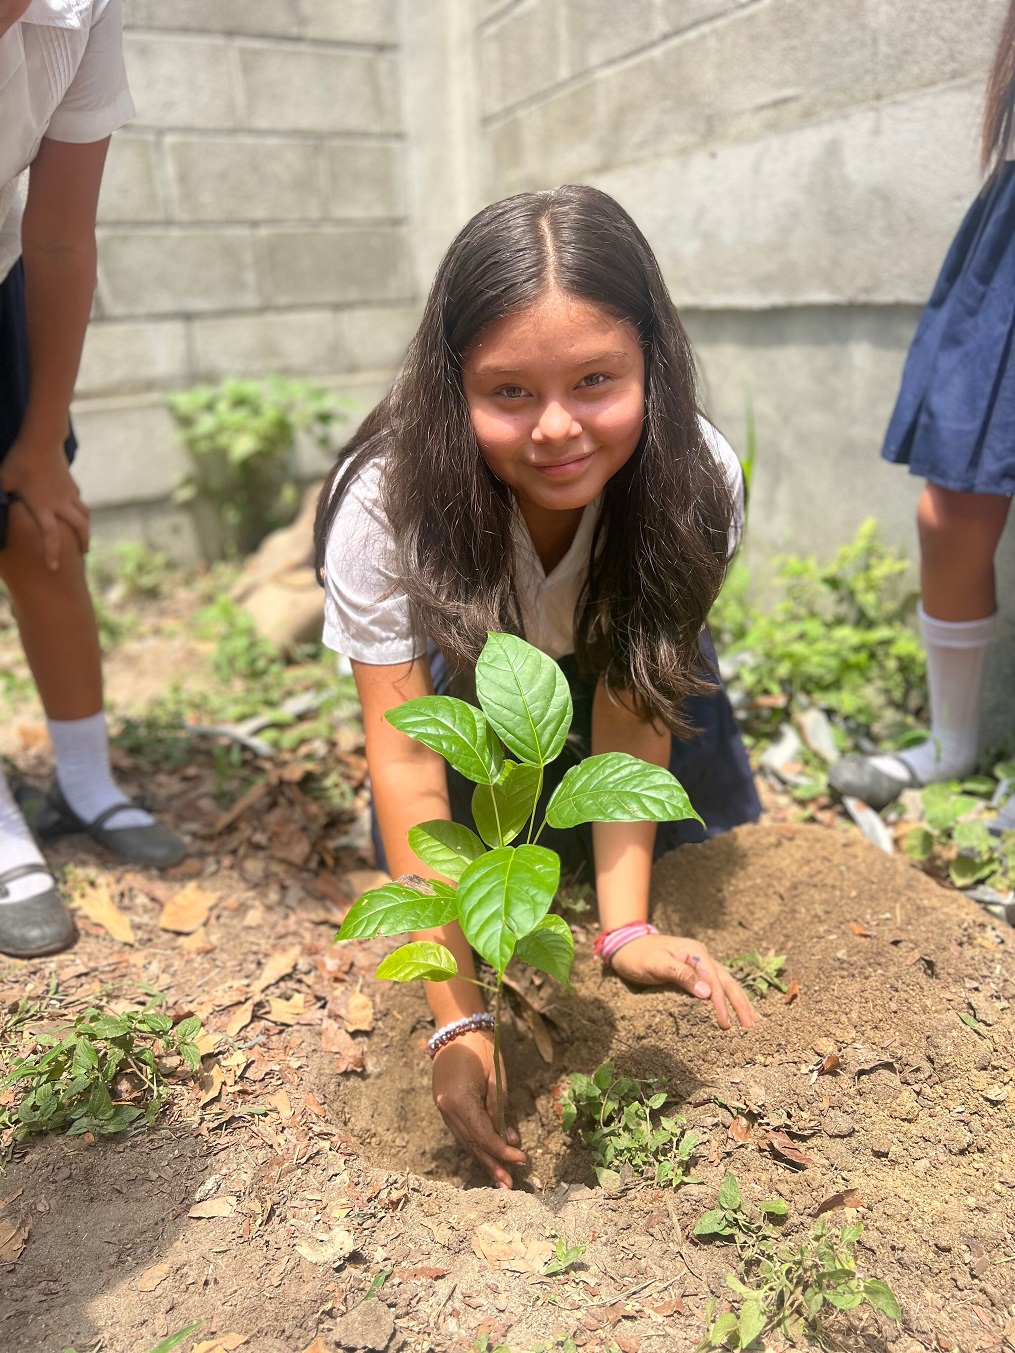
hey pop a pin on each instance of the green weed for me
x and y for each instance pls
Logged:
(618, 1119)
(954, 835)
(758, 973)
(565, 1257)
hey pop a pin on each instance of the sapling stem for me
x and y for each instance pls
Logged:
(535, 805)
(501, 1125)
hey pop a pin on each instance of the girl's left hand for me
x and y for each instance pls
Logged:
(663, 960)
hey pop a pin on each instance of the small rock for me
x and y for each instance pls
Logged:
(368, 1328)
(997, 1094)
(870, 824)
(208, 1189)
(784, 751)
(982, 1007)
(837, 1124)
(881, 1145)
(817, 733)
(905, 1107)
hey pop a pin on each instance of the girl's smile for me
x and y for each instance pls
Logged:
(557, 398)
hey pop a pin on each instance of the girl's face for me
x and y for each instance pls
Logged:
(557, 398)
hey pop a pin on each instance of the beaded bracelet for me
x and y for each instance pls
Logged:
(611, 941)
(449, 1032)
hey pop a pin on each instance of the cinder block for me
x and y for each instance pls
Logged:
(374, 338)
(319, 89)
(601, 30)
(296, 342)
(272, 18)
(129, 453)
(131, 190)
(338, 265)
(166, 272)
(125, 357)
(922, 43)
(364, 21)
(232, 179)
(160, 525)
(521, 56)
(557, 141)
(677, 15)
(365, 179)
(180, 81)
(854, 210)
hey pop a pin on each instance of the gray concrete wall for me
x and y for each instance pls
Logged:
(252, 220)
(800, 167)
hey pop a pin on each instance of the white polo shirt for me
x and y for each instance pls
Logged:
(61, 75)
(367, 618)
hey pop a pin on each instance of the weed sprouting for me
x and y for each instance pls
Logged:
(758, 973)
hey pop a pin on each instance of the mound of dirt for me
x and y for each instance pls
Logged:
(890, 1075)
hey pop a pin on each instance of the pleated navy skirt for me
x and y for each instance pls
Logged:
(954, 422)
(14, 362)
(712, 766)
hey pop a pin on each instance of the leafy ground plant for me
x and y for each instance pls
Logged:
(618, 1119)
(757, 972)
(99, 1075)
(564, 1258)
(498, 892)
(955, 837)
(785, 1287)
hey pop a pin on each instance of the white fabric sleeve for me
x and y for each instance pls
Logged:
(363, 618)
(734, 472)
(97, 101)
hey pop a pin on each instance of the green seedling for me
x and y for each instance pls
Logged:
(565, 1257)
(501, 893)
(950, 832)
(618, 1119)
(730, 1221)
(758, 973)
(100, 1075)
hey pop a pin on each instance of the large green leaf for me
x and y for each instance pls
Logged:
(752, 1322)
(422, 960)
(446, 846)
(514, 795)
(504, 894)
(525, 696)
(394, 909)
(616, 787)
(549, 947)
(459, 732)
(882, 1298)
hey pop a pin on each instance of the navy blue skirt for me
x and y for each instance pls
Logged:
(954, 422)
(14, 362)
(712, 766)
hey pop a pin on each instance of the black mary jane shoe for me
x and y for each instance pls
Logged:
(37, 925)
(154, 844)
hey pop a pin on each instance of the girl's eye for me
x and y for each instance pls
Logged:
(596, 378)
(511, 392)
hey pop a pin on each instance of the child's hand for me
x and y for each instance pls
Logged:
(658, 960)
(465, 1091)
(41, 478)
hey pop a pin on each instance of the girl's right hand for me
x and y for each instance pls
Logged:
(465, 1092)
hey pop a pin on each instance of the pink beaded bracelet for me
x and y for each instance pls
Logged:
(611, 941)
(447, 1033)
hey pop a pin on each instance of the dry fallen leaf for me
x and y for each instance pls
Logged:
(187, 911)
(740, 1129)
(665, 1308)
(359, 1013)
(291, 1011)
(282, 1105)
(849, 1198)
(313, 1105)
(318, 1346)
(222, 1206)
(861, 930)
(277, 965)
(540, 1033)
(792, 992)
(829, 1064)
(210, 1081)
(12, 1240)
(784, 1147)
(95, 900)
(510, 1250)
(331, 1249)
(151, 1277)
(334, 1039)
(362, 880)
(240, 1018)
(198, 942)
(11, 1197)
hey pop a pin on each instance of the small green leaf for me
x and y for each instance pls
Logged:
(775, 1207)
(722, 1329)
(964, 871)
(918, 844)
(550, 948)
(504, 894)
(394, 909)
(188, 1029)
(729, 1194)
(525, 696)
(446, 846)
(882, 1298)
(422, 960)
(844, 1298)
(617, 787)
(168, 1344)
(752, 1322)
(712, 1223)
(459, 732)
(513, 796)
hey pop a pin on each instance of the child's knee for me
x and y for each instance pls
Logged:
(23, 561)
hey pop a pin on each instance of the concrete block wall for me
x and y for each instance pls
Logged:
(252, 220)
(800, 167)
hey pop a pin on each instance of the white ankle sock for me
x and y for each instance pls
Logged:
(17, 847)
(81, 748)
(956, 661)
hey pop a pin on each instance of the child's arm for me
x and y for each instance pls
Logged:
(623, 855)
(409, 785)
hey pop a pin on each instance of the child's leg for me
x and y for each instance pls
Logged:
(57, 625)
(959, 533)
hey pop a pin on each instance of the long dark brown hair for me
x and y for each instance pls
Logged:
(999, 114)
(659, 553)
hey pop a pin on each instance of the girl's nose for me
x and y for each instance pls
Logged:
(556, 425)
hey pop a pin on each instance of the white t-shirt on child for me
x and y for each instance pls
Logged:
(367, 619)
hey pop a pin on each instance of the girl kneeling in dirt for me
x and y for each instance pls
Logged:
(540, 467)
